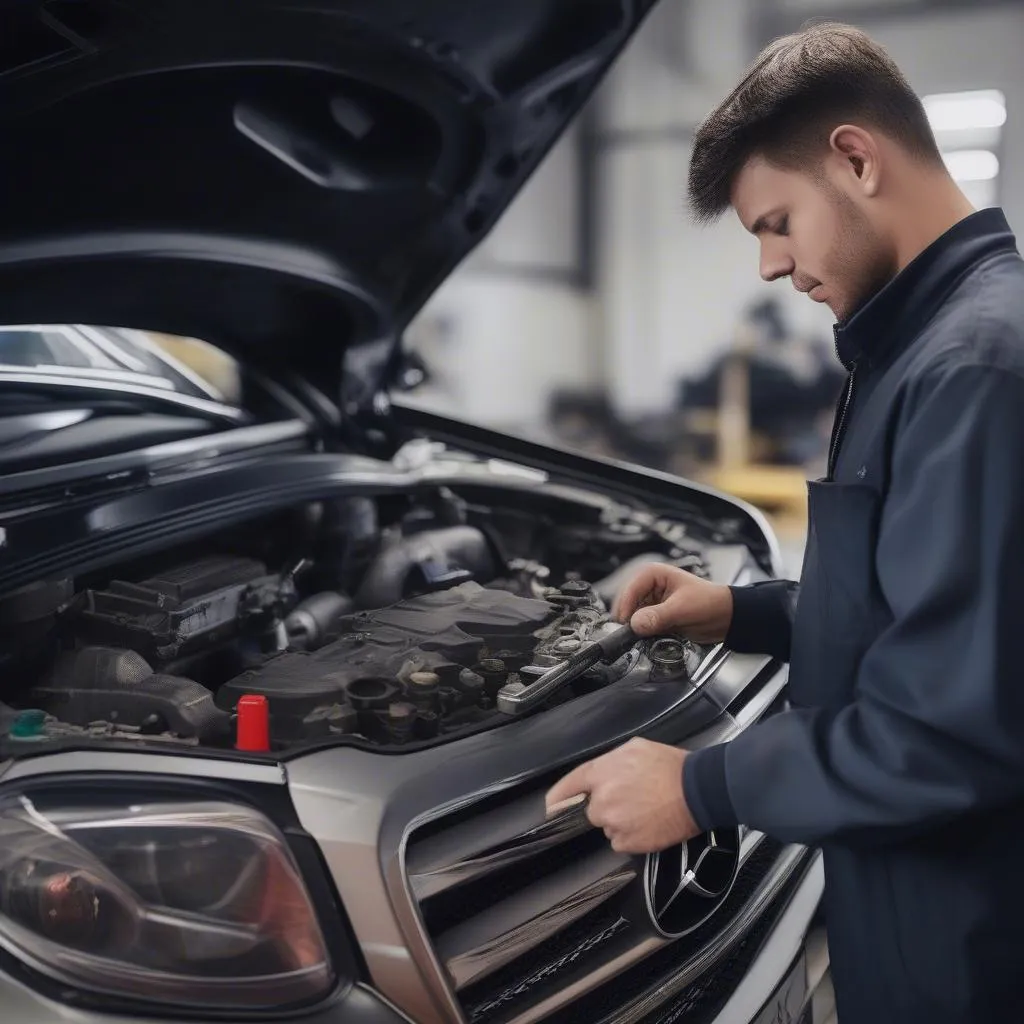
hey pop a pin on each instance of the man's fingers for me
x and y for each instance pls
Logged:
(652, 585)
(646, 586)
(565, 805)
(575, 784)
(626, 603)
(623, 844)
(637, 593)
(650, 621)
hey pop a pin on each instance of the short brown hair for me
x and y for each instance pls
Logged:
(798, 89)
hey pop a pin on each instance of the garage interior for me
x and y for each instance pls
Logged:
(598, 318)
(622, 328)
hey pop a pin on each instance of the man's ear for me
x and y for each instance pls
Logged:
(860, 155)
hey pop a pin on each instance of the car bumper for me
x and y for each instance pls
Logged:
(787, 981)
(790, 980)
(356, 1005)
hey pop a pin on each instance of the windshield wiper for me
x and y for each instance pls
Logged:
(96, 388)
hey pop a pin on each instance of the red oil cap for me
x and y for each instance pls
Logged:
(253, 723)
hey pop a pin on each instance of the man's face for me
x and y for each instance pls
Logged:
(814, 233)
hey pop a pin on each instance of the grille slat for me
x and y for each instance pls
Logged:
(601, 936)
(498, 838)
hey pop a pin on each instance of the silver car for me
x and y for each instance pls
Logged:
(288, 670)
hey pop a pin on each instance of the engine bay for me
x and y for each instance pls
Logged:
(388, 620)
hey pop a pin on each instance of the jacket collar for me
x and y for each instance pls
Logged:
(897, 312)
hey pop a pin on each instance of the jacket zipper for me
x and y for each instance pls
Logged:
(839, 426)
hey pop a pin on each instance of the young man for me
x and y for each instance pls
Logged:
(903, 753)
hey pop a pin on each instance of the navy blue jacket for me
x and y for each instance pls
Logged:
(903, 753)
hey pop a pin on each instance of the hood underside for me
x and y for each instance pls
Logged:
(289, 178)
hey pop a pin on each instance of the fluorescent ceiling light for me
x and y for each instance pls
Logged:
(960, 111)
(821, 6)
(972, 164)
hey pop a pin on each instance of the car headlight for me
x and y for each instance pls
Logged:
(192, 904)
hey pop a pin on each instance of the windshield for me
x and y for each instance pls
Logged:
(73, 393)
(101, 355)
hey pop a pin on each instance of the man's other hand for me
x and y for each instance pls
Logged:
(635, 796)
(664, 599)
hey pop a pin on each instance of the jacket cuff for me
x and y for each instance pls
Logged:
(761, 618)
(706, 790)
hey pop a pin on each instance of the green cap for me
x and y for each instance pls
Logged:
(28, 724)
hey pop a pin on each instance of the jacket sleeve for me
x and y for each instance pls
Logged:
(936, 727)
(762, 618)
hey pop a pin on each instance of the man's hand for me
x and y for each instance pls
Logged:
(636, 796)
(665, 599)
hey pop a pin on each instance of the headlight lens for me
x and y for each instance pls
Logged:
(197, 904)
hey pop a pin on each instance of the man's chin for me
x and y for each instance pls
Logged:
(844, 309)
(820, 296)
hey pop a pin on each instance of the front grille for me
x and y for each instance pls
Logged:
(535, 920)
(531, 919)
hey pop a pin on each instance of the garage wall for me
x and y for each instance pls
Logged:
(977, 49)
(672, 293)
(666, 296)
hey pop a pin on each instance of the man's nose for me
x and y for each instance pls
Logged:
(775, 263)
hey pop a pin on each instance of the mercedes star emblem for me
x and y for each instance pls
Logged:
(684, 885)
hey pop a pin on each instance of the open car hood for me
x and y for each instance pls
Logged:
(290, 179)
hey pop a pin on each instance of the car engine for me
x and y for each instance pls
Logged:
(372, 620)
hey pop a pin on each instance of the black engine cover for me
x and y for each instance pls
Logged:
(442, 633)
(107, 685)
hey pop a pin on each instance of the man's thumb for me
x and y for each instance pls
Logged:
(648, 621)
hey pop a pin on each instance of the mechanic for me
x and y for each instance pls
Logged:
(902, 754)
